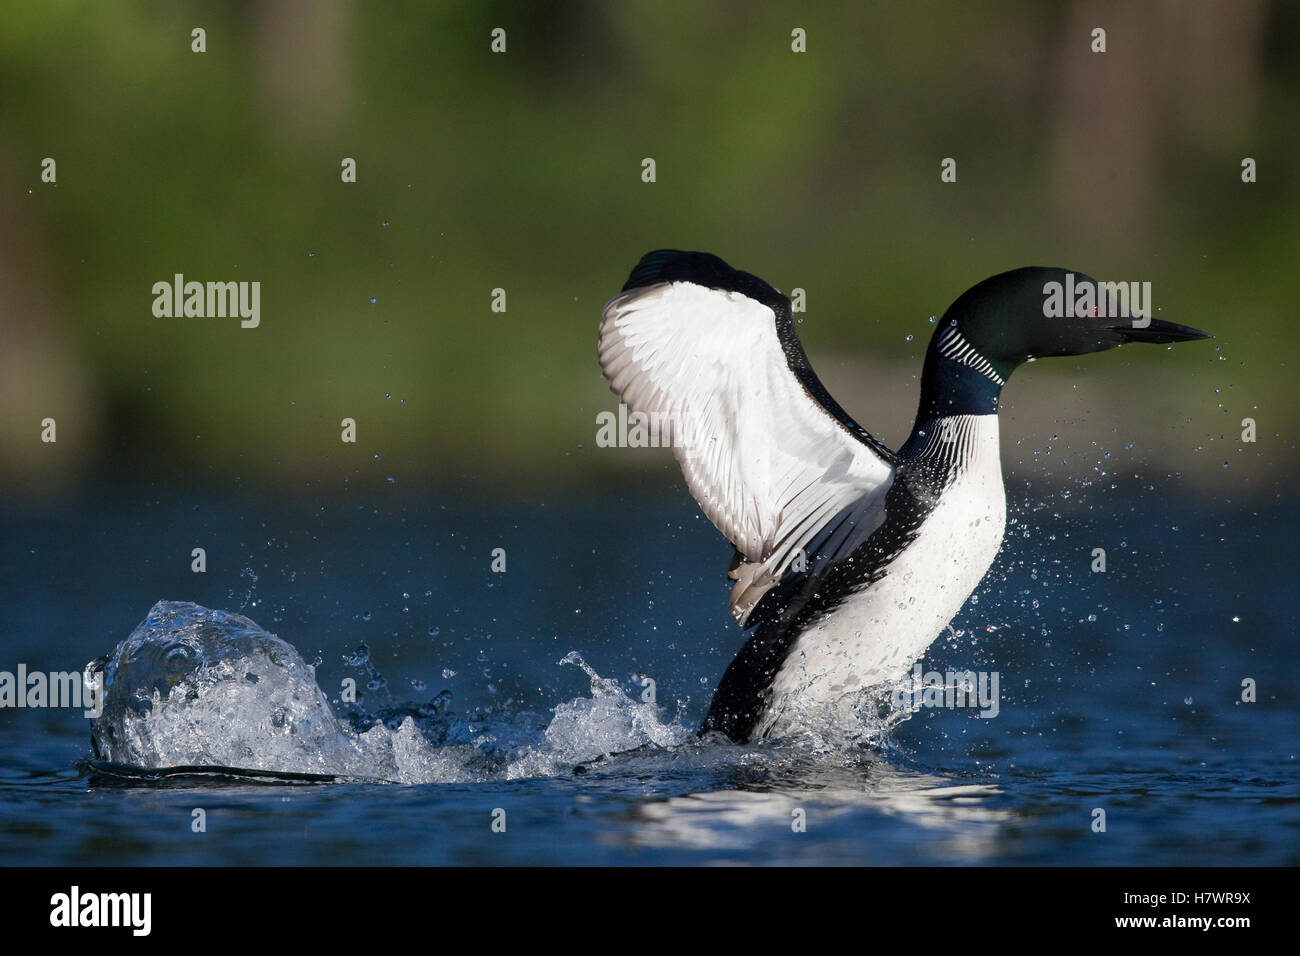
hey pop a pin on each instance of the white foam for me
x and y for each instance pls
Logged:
(195, 686)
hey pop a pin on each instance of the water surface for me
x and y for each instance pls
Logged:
(1120, 691)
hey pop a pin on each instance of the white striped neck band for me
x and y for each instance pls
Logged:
(953, 345)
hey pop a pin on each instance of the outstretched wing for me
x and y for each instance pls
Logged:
(709, 355)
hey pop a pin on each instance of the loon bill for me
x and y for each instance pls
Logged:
(850, 558)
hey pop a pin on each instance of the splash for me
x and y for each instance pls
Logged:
(193, 686)
(198, 687)
(862, 720)
(607, 722)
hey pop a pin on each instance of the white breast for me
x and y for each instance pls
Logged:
(876, 635)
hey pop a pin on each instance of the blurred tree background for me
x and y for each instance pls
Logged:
(522, 170)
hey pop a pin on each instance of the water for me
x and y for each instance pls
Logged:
(1119, 691)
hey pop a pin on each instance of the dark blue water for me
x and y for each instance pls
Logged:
(1120, 691)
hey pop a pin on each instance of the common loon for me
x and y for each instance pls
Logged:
(849, 558)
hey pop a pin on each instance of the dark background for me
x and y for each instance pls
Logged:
(522, 171)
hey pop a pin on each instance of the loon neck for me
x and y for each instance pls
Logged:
(958, 442)
(957, 383)
(958, 380)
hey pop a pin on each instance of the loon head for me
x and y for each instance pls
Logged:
(1036, 312)
(1026, 314)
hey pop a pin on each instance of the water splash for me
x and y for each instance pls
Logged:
(607, 722)
(193, 686)
(863, 720)
(198, 687)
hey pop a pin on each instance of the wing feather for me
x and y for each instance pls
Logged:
(773, 461)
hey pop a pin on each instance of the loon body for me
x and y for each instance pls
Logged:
(850, 558)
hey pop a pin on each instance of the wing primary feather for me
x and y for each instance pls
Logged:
(773, 460)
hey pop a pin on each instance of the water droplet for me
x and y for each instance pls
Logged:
(373, 300)
(448, 673)
(433, 632)
(933, 320)
(367, 616)
(910, 337)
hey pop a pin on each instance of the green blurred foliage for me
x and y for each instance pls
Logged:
(522, 171)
